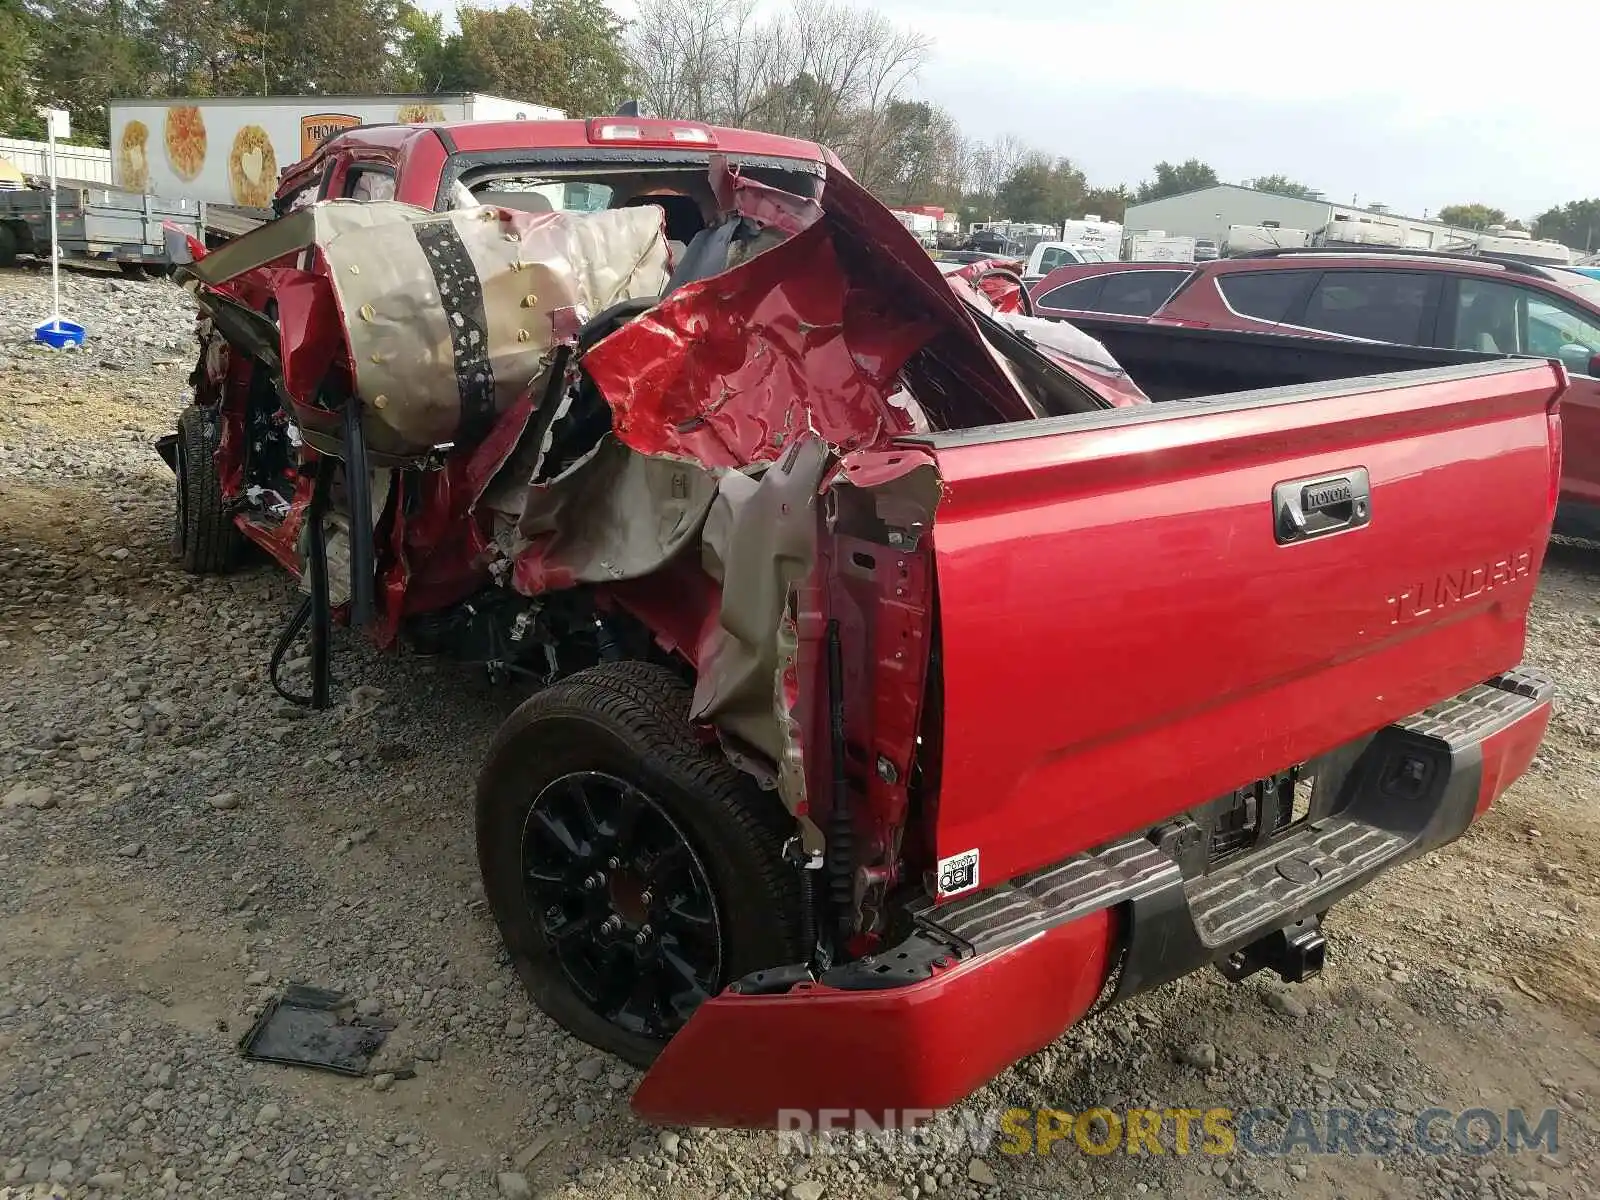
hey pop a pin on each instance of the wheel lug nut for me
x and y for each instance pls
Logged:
(642, 937)
(593, 881)
(613, 863)
(647, 899)
(611, 924)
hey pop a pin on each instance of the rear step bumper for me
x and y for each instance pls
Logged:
(982, 981)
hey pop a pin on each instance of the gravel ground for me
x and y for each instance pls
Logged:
(176, 844)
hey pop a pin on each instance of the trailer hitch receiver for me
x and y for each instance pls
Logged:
(1296, 952)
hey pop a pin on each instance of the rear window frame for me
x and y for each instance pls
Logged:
(1306, 276)
(1098, 282)
(464, 163)
(1182, 275)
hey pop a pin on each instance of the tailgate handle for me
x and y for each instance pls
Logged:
(1323, 504)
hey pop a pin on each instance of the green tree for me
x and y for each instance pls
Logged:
(1281, 185)
(1042, 189)
(1107, 203)
(1575, 223)
(330, 45)
(425, 58)
(1472, 216)
(87, 52)
(17, 54)
(913, 155)
(565, 53)
(206, 47)
(793, 107)
(1173, 180)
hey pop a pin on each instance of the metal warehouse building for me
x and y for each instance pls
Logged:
(1207, 213)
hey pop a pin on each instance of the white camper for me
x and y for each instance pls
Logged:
(1242, 239)
(1093, 232)
(1361, 233)
(924, 226)
(1156, 246)
(1521, 245)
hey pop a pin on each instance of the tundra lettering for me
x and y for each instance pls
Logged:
(1456, 586)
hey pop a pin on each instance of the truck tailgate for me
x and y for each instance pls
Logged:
(1132, 623)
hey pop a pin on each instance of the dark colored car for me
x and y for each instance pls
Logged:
(1416, 298)
(975, 256)
(991, 243)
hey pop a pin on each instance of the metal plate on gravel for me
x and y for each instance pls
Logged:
(303, 1028)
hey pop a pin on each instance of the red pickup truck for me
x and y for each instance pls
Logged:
(906, 675)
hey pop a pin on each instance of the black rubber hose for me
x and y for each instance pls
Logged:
(315, 608)
(285, 640)
(321, 609)
(358, 496)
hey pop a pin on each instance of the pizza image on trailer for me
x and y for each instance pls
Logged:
(419, 114)
(133, 157)
(252, 168)
(186, 140)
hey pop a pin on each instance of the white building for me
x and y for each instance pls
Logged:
(1207, 213)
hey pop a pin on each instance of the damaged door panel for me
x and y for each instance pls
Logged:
(822, 570)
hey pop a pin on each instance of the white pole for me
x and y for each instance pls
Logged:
(55, 244)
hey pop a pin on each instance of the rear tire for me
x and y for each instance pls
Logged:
(205, 536)
(596, 781)
(9, 246)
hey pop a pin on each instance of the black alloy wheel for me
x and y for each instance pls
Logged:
(633, 871)
(623, 900)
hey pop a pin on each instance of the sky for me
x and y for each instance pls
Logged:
(1414, 104)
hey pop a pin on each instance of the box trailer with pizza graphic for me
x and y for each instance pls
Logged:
(230, 151)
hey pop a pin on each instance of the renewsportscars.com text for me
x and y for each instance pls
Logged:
(1260, 1132)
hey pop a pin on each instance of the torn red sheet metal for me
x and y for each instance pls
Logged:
(996, 279)
(881, 250)
(730, 370)
(311, 336)
(882, 597)
(769, 207)
(679, 604)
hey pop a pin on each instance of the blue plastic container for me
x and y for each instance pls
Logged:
(58, 335)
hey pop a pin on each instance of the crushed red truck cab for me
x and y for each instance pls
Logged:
(905, 675)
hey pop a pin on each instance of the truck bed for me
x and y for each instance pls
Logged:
(1175, 363)
(1147, 607)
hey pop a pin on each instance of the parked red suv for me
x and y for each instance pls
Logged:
(1418, 298)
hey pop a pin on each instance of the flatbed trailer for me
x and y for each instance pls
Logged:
(98, 224)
